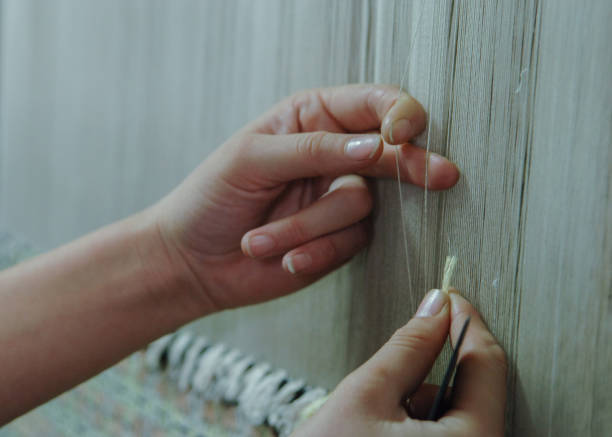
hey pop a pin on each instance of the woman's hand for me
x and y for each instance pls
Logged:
(278, 205)
(284, 201)
(387, 397)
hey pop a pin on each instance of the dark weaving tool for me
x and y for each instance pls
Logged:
(437, 409)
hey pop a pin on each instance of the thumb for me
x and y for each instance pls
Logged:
(398, 369)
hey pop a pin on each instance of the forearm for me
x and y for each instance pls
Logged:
(71, 313)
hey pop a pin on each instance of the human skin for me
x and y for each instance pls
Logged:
(297, 175)
(372, 400)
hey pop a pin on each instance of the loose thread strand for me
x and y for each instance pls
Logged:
(402, 215)
(403, 79)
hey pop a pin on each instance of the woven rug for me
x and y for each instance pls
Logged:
(128, 400)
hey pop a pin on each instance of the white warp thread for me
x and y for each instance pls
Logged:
(403, 79)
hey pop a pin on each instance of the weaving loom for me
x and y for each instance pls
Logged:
(518, 95)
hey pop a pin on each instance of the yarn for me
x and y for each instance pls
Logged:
(449, 270)
(404, 79)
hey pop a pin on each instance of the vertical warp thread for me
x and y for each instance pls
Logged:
(425, 211)
(403, 79)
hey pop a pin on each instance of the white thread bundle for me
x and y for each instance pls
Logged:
(449, 270)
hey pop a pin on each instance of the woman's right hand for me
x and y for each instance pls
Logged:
(372, 400)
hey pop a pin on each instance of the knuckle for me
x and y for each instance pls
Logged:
(301, 97)
(244, 143)
(376, 95)
(361, 388)
(301, 104)
(380, 99)
(414, 336)
(310, 146)
(497, 356)
(490, 354)
(238, 151)
(295, 231)
(378, 376)
(327, 249)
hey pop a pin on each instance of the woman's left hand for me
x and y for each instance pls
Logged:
(285, 200)
(386, 396)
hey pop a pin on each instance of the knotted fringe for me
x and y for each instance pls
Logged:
(214, 372)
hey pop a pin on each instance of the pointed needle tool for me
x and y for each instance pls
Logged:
(438, 404)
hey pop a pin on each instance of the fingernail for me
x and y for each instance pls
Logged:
(259, 245)
(435, 159)
(401, 130)
(363, 147)
(297, 263)
(432, 304)
(335, 185)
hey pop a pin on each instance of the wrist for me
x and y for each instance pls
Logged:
(165, 270)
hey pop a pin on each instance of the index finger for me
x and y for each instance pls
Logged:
(479, 393)
(347, 108)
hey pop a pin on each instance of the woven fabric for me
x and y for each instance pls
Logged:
(127, 400)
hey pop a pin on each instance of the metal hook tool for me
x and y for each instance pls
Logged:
(438, 404)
